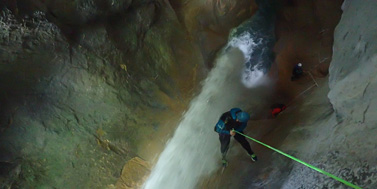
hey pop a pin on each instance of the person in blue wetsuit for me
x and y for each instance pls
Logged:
(234, 119)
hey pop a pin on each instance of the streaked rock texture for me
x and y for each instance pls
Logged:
(354, 66)
(86, 84)
(79, 97)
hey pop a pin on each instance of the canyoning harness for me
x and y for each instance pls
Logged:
(302, 162)
(227, 122)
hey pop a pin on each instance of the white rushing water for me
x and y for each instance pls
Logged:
(246, 45)
(193, 151)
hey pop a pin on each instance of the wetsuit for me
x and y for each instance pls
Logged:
(297, 72)
(226, 123)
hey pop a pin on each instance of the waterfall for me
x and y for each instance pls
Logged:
(193, 151)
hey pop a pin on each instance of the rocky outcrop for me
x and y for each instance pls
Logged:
(353, 87)
(78, 97)
(352, 71)
(85, 83)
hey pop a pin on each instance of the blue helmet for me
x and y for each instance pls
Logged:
(243, 116)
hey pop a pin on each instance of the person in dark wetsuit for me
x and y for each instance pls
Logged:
(234, 119)
(297, 72)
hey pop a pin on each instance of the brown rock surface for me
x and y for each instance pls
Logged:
(134, 173)
(304, 32)
(210, 21)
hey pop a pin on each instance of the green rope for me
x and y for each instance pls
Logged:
(304, 163)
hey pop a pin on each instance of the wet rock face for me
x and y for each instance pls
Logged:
(352, 72)
(84, 82)
(209, 21)
(353, 87)
(78, 96)
(54, 99)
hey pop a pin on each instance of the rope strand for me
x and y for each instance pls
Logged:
(302, 162)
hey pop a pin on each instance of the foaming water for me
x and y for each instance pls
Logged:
(252, 74)
(193, 151)
(245, 43)
(253, 78)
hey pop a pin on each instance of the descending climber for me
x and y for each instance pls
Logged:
(234, 119)
(297, 72)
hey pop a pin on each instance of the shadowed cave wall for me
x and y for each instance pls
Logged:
(87, 85)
